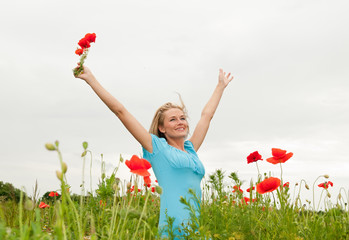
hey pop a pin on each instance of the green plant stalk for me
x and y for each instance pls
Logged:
(66, 195)
(21, 215)
(113, 219)
(140, 218)
(91, 173)
(124, 221)
(314, 191)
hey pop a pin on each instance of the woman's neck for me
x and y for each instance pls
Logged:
(176, 143)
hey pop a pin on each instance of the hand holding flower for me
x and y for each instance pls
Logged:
(85, 44)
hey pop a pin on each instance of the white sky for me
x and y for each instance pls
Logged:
(289, 59)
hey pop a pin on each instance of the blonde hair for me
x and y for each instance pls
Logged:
(159, 117)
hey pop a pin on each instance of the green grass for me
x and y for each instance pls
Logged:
(113, 211)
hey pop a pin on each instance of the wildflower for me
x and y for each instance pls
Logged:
(250, 189)
(268, 185)
(53, 194)
(79, 51)
(287, 185)
(43, 205)
(140, 167)
(84, 43)
(147, 180)
(153, 189)
(254, 157)
(325, 185)
(90, 37)
(237, 188)
(279, 156)
(245, 200)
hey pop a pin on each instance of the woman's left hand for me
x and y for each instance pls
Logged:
(224, 78)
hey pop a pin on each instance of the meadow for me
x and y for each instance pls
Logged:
(120, 209)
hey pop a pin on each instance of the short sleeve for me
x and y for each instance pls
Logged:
(157, 144)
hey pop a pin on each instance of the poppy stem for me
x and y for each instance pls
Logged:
(259, 175)
(281, 173)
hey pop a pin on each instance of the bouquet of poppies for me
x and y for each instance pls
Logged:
(85, 44)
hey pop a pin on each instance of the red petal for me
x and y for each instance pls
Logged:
(286, 157)
(268, 185)
(147, 180)
(277, 152)
(273, 160)
(141, 172)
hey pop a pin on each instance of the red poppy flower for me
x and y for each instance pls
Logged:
(79, 51)
(254, 157)
(139, 166)
(236, 188)
(53, 194)
(279, 156)
(84, 43)
(153, 189)
(249, 189)
(287, 184)
(246, 200)
(268, 185)
(147, 180)
(43, 205)
(91, 37)
(325, 185)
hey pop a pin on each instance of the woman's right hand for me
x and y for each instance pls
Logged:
(86, 74)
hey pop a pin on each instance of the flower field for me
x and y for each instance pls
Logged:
(130, 210)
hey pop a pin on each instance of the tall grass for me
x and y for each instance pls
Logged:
(130, 210)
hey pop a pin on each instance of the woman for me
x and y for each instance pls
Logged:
(173, 158)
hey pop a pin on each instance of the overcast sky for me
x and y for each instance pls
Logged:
(290, 91)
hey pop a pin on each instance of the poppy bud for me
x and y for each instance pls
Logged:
(182, 199)
(50, 147)
(326, 176)
(115, 187)
(121, 159)
(85, 145)
(64, 167)
(158, 189)
(83, 154)
(306, 186)
(296, 184)
(103, 176)
(59, 175)
(339, 196)
(128, 185)
(117, 180)
(328, 195)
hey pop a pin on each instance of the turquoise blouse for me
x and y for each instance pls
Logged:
(176, 171)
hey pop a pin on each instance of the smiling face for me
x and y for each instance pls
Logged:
(175, 124)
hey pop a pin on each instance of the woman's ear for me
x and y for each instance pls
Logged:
(162, 129)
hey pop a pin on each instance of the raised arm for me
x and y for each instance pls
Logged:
(127, 119)
(207, 113)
